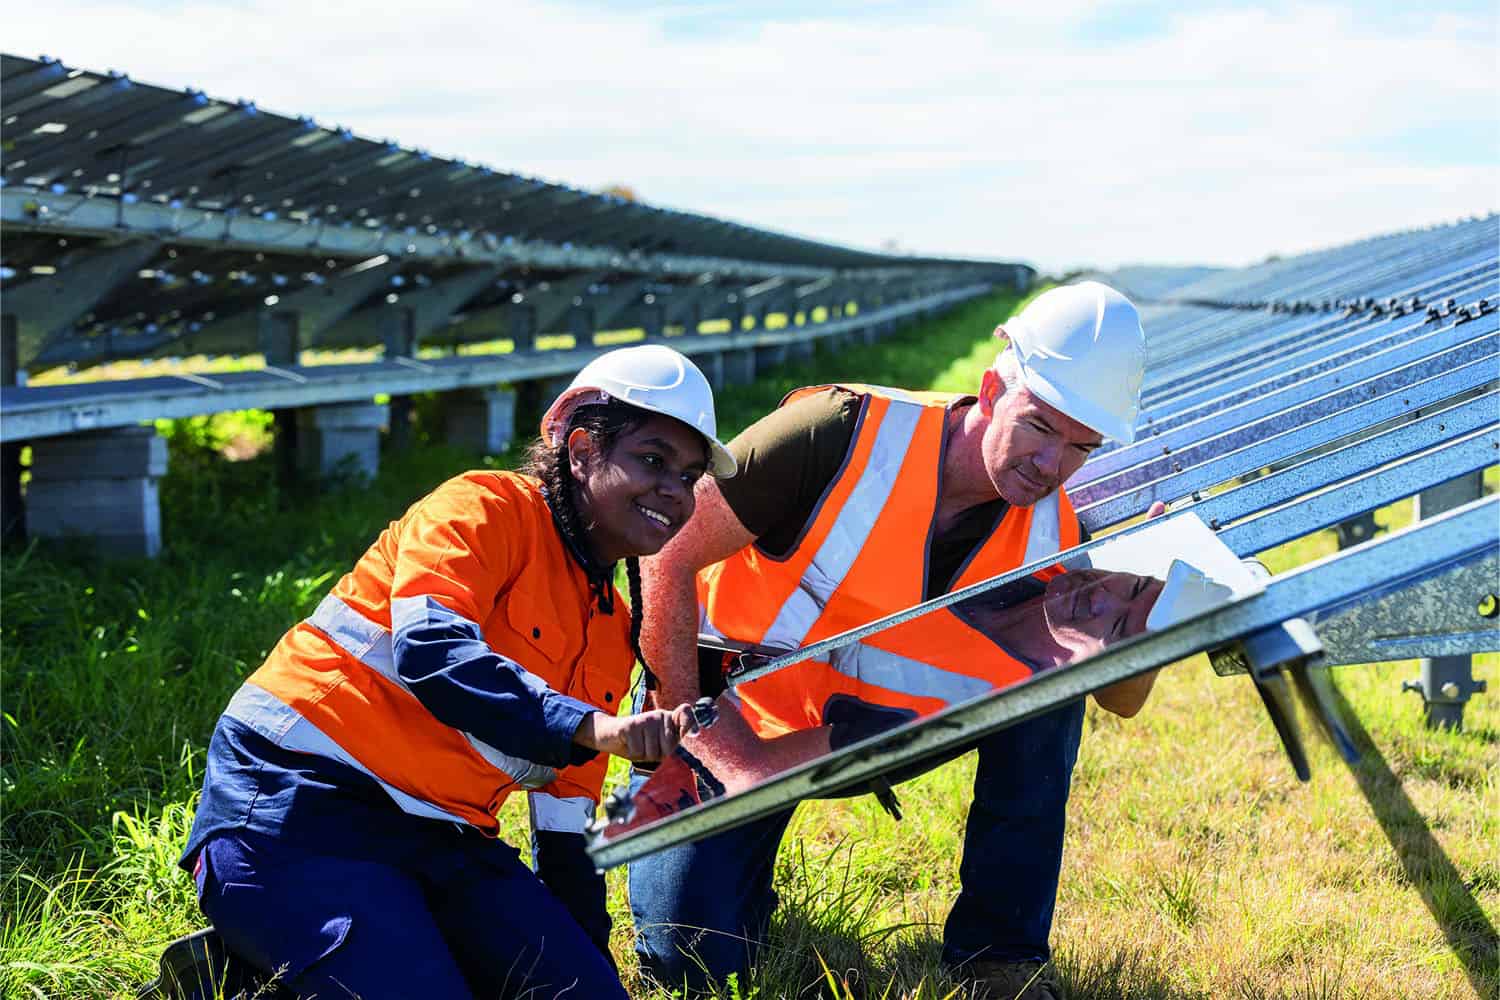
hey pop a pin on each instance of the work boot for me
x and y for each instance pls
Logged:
(200, 967)
(994, 979)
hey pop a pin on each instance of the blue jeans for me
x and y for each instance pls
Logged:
(701, 909)
(456, 916)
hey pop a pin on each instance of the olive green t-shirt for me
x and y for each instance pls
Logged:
(790, 457)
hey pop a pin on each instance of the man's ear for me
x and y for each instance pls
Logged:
(991, 388)
(582, 451)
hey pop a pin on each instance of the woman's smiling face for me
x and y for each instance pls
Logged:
(639, 493)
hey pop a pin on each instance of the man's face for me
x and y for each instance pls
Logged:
(1030, 448)
(1088, 609)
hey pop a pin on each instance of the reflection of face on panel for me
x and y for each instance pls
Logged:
(1077, 615)
(1088, 609)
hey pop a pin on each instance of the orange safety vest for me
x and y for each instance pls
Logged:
(484, 547)
(864, 556)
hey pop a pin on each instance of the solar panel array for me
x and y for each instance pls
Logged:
(144, 220)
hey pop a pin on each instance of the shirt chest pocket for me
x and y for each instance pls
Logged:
(536, 635)
(603, 676)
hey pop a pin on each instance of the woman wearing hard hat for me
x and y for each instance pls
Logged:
(346, 836)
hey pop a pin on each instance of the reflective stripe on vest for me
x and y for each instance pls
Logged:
(371, 645)
(894, 672)
(560, 815)
(847, 536)
(278, 722)
(1046, 526)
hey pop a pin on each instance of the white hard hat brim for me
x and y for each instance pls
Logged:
(721, 464)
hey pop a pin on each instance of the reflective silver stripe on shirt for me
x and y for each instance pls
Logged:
(1045, 535)
(371, 645)
(899, 395)
(851, 527)
(902, 674)
(560, 815)
(278, 722)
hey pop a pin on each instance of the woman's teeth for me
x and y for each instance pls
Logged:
(660, 519)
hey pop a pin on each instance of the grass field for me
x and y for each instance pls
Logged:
(1196, 865)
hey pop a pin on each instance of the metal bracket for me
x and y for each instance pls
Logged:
(1290, 650)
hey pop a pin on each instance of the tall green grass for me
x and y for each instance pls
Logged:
(1195, 866)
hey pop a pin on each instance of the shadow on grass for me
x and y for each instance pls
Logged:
(869, 965)
(1462, 920)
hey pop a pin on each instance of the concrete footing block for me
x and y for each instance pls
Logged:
(712, 366)
(837, 341)
(770, 356)
(100, 486)
(482, 420)
(341, 439)
(739, 366)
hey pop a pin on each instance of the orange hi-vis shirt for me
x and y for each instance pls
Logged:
(455, 661)
(863, 556)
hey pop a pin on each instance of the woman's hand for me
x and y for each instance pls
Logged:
(644, 736)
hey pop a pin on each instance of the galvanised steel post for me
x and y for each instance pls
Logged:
(280, 343)
(1447, 682)
(399, 335)
(12, 507)
(653, 317)
(522, 321)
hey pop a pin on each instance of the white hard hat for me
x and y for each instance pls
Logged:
(1187, 593)
(1081, 349)
(650, 376)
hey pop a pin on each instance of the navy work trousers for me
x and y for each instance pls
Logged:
(701, 909)
(457, 915)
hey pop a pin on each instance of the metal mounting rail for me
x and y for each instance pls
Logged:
(1428, 550)
(32, 210)
(1369, 369)
(1200, 467)
(32, 412)
(1283, 346)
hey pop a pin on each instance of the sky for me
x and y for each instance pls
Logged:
(1067, 134)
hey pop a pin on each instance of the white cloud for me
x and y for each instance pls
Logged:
(1226, 135)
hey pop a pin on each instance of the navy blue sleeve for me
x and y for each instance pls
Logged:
(443, 660)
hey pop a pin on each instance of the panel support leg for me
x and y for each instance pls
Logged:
(12, 505)
(398, 332)
(1447, 682)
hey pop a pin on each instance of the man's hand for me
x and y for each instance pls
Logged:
(1128, 697)
(644, 736)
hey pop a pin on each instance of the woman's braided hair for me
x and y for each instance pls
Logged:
(604, 422)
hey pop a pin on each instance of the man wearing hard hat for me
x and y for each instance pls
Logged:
(854, 502)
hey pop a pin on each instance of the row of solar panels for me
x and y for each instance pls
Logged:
(74, 130)
(142, 221)
(98, 299)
